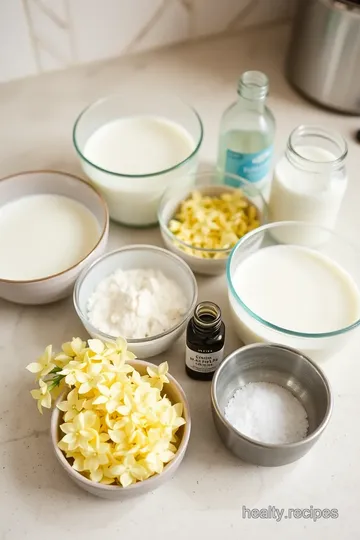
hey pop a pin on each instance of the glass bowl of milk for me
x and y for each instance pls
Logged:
(132, 148)
(296, 284)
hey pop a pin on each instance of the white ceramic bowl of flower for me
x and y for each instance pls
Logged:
(120, 426)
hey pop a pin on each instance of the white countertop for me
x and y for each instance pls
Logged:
(207, 495)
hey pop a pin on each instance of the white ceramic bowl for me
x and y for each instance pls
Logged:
(131, 257)
(203, 260)
(176, 395)
(57, 286)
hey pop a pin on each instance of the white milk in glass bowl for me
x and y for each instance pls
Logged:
(132, 150)
(301, 295)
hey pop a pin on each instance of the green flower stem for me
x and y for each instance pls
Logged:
(55, 382)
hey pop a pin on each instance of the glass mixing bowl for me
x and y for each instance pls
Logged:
(204, 260)
(252, 328)
(133, 198)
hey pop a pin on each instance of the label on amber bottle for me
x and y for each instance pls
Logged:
(203, 361)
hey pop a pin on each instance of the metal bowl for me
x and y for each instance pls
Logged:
(279, 365)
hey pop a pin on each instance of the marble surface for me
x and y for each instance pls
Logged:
(46, 35)
(207, 495)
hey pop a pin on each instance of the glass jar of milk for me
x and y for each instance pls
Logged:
(133, 147)
(310, 180)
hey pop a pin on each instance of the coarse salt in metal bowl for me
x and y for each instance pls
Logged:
(287, 368)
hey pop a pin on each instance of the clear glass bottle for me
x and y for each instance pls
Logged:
(310, 180)
(247, 132)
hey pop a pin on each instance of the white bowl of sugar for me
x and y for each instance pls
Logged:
(142, 293)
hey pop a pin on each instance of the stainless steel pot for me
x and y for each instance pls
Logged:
(324, 57)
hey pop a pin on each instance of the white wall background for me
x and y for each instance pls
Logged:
(43, 35)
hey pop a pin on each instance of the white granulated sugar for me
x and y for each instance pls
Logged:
(267, 413)
(136, 304)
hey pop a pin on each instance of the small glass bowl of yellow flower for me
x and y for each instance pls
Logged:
(120, 426)
(205, 218)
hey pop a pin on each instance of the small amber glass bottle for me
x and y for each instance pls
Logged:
(205, 338)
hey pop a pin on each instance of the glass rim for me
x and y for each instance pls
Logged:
(133, 341)
(248, 77)
(322, 133)
(165, 228)
(253, 85)
(122, 175)
(265, 322)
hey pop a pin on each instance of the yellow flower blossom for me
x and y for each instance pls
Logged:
(89, 382)
(109, 396)
(74, 348)
(44, 364)
(72, 405)
(42, 395)
(130, 470)
(96, 459)
(70, 350)
(73, 372)
(158, 375)
(118, 426)
(102, 475)
(79, 432)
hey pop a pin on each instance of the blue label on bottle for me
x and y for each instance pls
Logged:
(252, 167)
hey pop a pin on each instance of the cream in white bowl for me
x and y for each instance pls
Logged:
(51, 225)
(44, 234)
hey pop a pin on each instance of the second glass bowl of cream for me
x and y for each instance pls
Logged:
(133, 148)
(296, 284)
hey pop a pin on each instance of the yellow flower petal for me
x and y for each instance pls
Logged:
(126, 479)
(46, 401)
(96, 476)
(100, 400)
(34, 367)
(84, 388)
(163, 368)
(116, 436)
(80, 376)
(96, 345)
